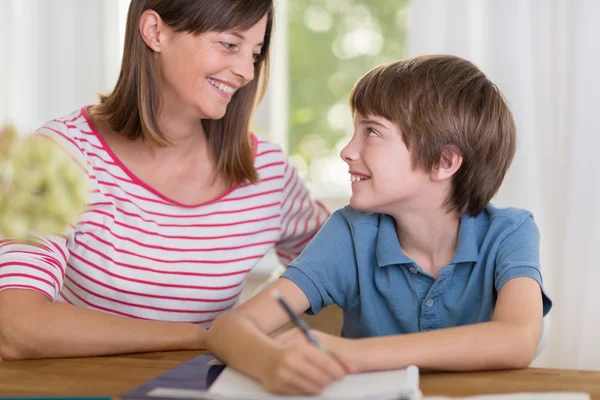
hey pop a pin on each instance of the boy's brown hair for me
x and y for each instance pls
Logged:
(440, 101)
(132, 107)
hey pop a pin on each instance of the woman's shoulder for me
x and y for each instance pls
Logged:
(270, 160)
(266, 150)
(72, 132)
(75, 128)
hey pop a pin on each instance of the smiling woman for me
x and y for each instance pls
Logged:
(174, 51)
(185, 200)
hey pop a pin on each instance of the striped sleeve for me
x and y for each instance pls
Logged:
(40, 264)
(301, 216)
(67, 137)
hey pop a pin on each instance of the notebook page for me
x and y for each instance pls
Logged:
(373, 385)
(519, 396)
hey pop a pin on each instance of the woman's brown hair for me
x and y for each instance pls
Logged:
(443, 101)
(132, 107)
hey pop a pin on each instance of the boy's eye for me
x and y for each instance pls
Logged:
(371, 132)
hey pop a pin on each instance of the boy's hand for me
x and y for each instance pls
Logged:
(345, 351)
(298, 367)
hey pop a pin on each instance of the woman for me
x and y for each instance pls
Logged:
(185, 201)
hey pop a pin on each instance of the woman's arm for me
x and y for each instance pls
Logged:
(240, 339)
(301, 215)
(31, 326)
(508, 341)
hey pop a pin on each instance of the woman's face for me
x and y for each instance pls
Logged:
(200, 73)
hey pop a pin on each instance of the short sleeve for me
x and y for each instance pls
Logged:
(301, 216)
(519, 256)
(40, 264)
(326, 270)
(58, 131)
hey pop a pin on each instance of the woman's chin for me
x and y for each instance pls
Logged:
(214, 112)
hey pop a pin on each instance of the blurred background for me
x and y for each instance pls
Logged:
(56, 55)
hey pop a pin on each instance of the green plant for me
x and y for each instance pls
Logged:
(42, 189)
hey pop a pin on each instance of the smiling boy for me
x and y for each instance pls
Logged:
(426, 270)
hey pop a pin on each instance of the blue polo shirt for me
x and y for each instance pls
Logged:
(356, 262)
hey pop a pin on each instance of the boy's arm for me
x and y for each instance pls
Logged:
(240, 339)
(252, 322)
(323, 274)
(508, 341)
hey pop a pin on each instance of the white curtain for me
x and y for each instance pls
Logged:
(56, 56)
(545, 56)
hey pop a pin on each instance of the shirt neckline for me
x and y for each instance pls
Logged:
(140, 182)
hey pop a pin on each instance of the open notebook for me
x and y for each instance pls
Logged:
(231, 384)
(521, 396)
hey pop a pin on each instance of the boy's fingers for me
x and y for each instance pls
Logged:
(311, 370)
(295, 381)
(325, 363)
(346, 365)
(287, 336)
(296, 361)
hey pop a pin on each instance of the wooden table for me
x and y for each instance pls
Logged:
(112, 376)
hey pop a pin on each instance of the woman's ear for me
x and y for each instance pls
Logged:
(450, 162)
(153, 30)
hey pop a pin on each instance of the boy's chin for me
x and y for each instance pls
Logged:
(362, 204)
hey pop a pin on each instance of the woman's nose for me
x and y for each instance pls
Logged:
(244, 66)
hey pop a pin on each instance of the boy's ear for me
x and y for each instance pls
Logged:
(450, 162)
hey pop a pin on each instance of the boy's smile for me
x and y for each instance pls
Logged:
(356, 177)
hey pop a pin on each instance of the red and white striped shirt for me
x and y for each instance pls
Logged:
(136, 253)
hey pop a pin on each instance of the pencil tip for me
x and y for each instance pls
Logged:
(276, 294)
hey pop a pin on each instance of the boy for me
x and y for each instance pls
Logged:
(426, 271)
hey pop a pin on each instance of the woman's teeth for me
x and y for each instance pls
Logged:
(221, 86)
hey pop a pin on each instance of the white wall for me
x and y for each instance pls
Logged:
(55, 56)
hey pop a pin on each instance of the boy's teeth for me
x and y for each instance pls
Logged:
(356, 178)
(221, 86)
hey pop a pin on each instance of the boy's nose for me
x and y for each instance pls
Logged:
(349, 153)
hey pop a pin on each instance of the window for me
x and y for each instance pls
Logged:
(322, 47)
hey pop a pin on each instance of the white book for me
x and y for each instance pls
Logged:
(402, 384)
(383, 385)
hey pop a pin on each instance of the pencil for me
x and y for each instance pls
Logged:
(298, 321)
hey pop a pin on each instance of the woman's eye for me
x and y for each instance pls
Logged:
(229, 46)
(256, 56)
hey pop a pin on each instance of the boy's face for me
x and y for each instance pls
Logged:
(380, 168)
